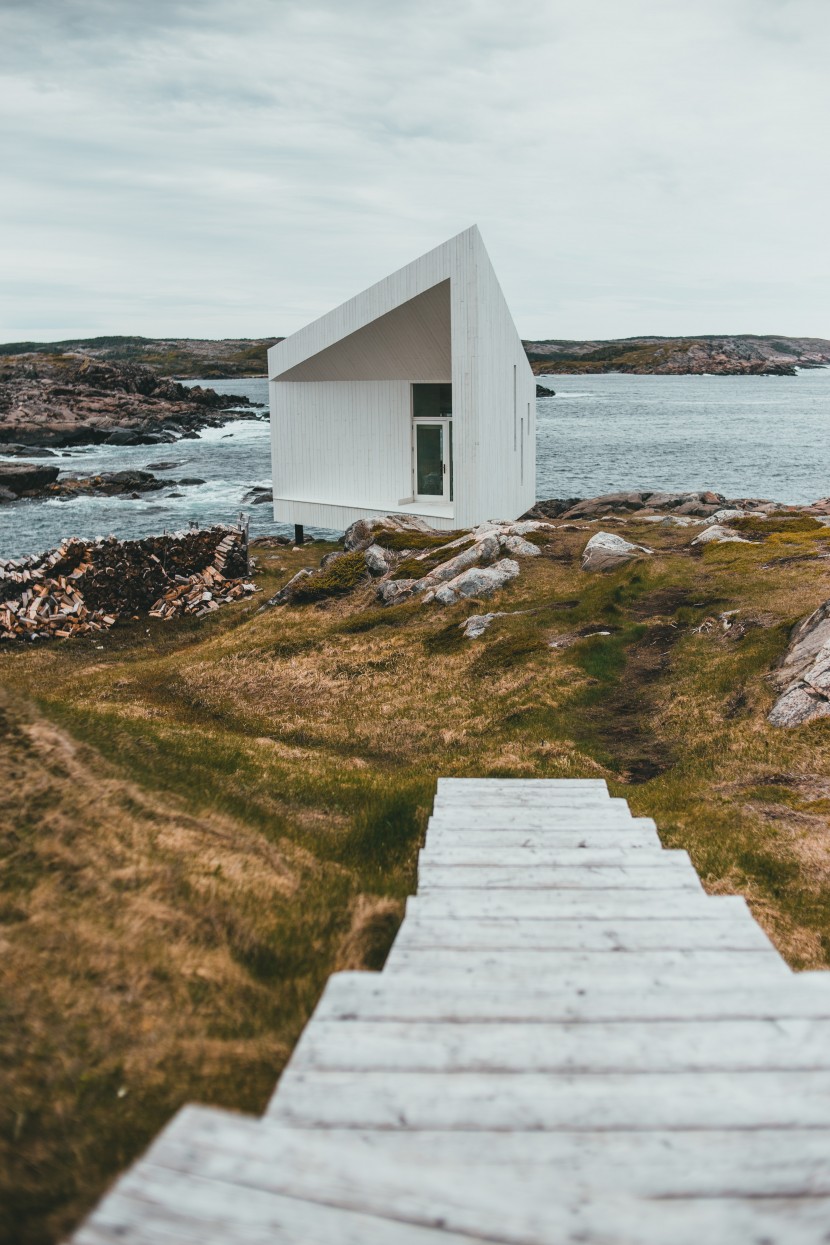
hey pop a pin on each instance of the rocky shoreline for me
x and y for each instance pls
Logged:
(49, 401)
(39, 482)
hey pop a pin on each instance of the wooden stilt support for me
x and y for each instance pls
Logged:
(299, 535)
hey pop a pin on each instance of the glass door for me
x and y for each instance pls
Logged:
(433, 459)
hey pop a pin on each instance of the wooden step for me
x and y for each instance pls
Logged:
(623, 1046)
(583, 905)
(674, 875)
(385, 997)
(526, 933)
(530, 1101)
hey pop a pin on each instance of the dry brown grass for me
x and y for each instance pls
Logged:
(244, 812)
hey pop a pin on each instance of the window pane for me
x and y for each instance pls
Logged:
(431, 401)
(429, 448)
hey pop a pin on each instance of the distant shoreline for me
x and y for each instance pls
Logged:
(245, 358)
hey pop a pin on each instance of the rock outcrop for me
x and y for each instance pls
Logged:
(24, 479)
(717, 535)
(804, 672)
(478, 581)
(701, 504)
(73, 400)
(606, 551)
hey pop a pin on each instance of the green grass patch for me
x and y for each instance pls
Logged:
(399, 542)
(752, 526)
(338, 578)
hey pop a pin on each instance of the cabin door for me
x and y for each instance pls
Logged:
(432, 466)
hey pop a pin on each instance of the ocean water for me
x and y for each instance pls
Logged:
(744, 436)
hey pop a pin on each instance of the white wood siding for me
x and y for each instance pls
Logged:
(341, 397)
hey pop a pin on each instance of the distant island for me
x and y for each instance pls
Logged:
(185, 358)
(741, 355)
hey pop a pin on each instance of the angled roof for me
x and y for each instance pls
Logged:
(399, 328)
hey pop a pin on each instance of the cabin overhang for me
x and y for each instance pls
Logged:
(379, 407)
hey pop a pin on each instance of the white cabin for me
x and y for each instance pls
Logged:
(415, 397)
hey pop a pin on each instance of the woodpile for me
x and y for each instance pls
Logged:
(199, 594)
(85, 587)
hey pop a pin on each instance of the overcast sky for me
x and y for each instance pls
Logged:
(237, 167)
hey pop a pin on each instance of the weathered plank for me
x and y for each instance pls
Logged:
(525, 933)
(583, 905)
(692, 1163)
(670, 1046)
(625, 836)
(680, 876)
(544, 854)
(570, 1042)
(528, 1101)
(373, 996)
(582, 964)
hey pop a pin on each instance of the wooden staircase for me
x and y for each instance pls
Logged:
(571, 1042)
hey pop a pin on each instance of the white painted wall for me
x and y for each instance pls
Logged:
(500, 472)
(345, 443)
(341, 397)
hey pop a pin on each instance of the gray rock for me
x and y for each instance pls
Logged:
(477, 624)
(26, 451)
(20, 478)
(124, 436)
(378, 560)
(519, 547)
(723, 516)
(804, 672)
(162, 466)
(393, 591)
(715, 534)
(259, 495)
(478, 581)
(286, 592)
(191, 480)
(6, 494)
(483, 551)
(606, 551)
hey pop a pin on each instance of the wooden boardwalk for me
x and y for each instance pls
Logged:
(571, 1042)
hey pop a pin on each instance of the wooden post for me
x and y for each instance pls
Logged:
(243, 525)
(299, 535)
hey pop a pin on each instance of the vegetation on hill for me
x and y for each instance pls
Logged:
(728, 355)
(183, 357)
(747, 354)
(202, 820)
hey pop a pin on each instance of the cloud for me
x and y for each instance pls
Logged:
(237, 168)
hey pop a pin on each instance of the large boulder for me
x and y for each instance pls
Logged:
(478, 581)
(519, 547)
(483, 551)
(20, 478)
(717, 535)
(606, 551)
(362, 533)
(804, 672)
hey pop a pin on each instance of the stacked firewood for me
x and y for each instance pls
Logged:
(199, 594)
(85, 587)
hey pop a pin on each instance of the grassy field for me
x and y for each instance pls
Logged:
(201, 821)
